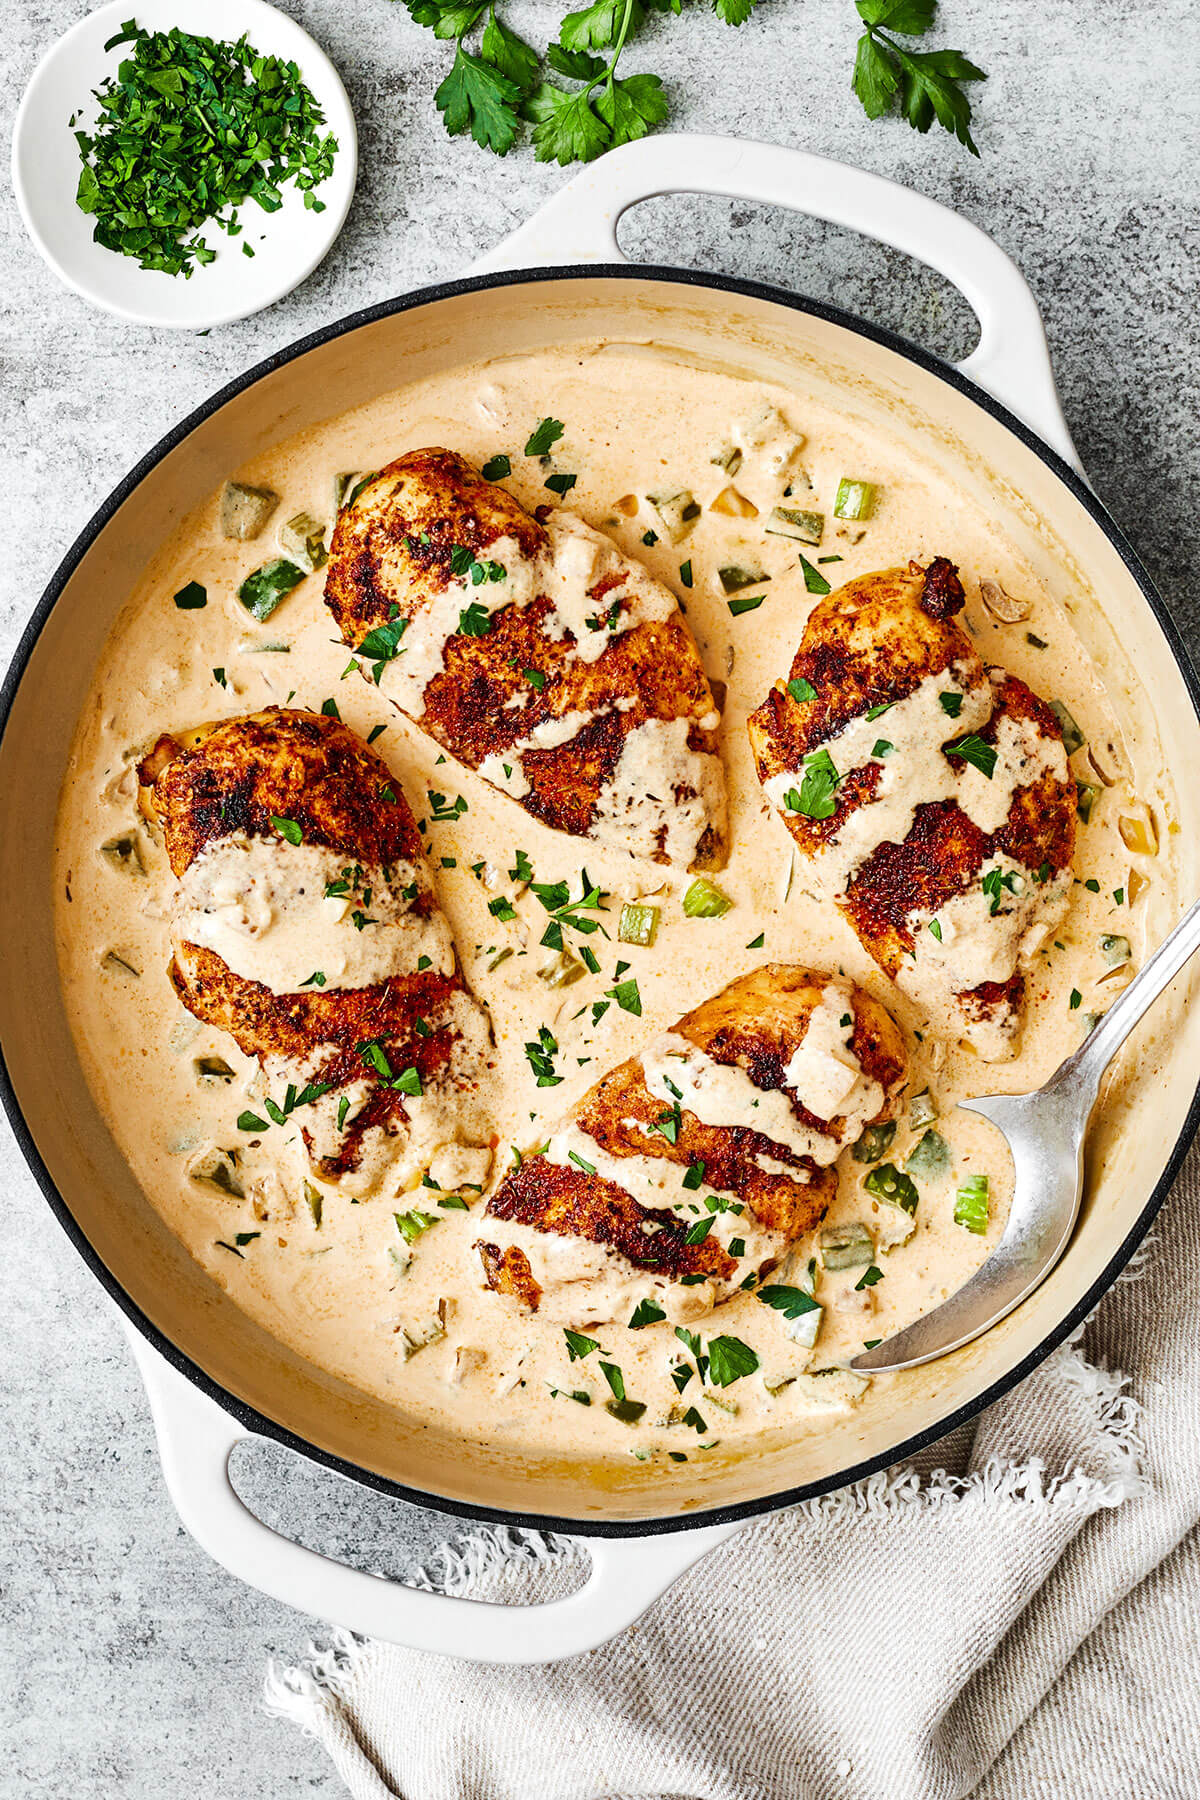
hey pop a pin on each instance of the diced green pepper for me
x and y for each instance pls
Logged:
(855, 499)
(971, 1205)
(638, 924)
(847, 1246)
(704, 900)
(264, 588)
(889, 1183)
(874, 1142)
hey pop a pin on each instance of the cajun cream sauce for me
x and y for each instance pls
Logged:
(403, 1313)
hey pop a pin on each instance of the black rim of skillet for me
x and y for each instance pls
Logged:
(258, 1423)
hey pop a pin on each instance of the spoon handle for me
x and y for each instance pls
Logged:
(1081, 1074)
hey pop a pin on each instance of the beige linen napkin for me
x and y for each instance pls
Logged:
(1014, 1617)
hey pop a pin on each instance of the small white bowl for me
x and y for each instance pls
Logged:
(287, 244)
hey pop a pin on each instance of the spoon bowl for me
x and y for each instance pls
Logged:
(1046, 1132)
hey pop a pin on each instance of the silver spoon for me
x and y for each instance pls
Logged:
(1046, 1132)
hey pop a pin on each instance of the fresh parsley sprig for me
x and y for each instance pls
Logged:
(925, 84)
(490, 92)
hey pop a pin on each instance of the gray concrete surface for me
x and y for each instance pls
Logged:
(131, 1664)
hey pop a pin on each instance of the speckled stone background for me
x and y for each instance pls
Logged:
(131, 1664)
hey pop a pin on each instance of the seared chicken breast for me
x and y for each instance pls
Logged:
(929, 795)
(535, 652)
(306, 926)
(685, 1174)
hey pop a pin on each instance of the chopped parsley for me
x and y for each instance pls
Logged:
(496, 468)
(646, 1312)
(443, 811)
(816, 796)
(627, 996)
(748, 604)
(973, 750)
(951, 704)
(579, 1346)
(540, 1055)
(729, 1359)
(814, 581)
(191, 598)
(801, 690)
(560, 484)
(792, 1302)
(190, 129)
(288, 828)
(475, 620)
(411, 1224)
(544, 435)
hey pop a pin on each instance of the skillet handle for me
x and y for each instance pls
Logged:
(195, 1440)
(1011, 361)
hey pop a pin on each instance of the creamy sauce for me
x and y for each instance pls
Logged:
(261, 904)
(401, 1313)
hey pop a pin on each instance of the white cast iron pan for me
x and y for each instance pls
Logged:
(215, 1377)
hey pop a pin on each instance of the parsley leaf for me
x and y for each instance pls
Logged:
(633, 106)
(792, 1302)
(477, 98)
(544, 435)
(924, 84)
(973, 750)
(565, 128)
(729, 1359)
(816, 797)
(509, 54)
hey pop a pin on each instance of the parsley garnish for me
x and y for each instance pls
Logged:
(792, 1302)
(646, 1312)
(579, 1346)
(750, 604)
(924, 84)
(544, 435)
(627, 996)
(973, 750)
(190, 129)
(490, 93)
(411, 1224)
(816, 796)
(496, 468)
(801, 690)
(190, 599)
(289, 829)
(475, 620)
(814, 581)
(729, 1359)
(951, 703)
(541, 1054)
